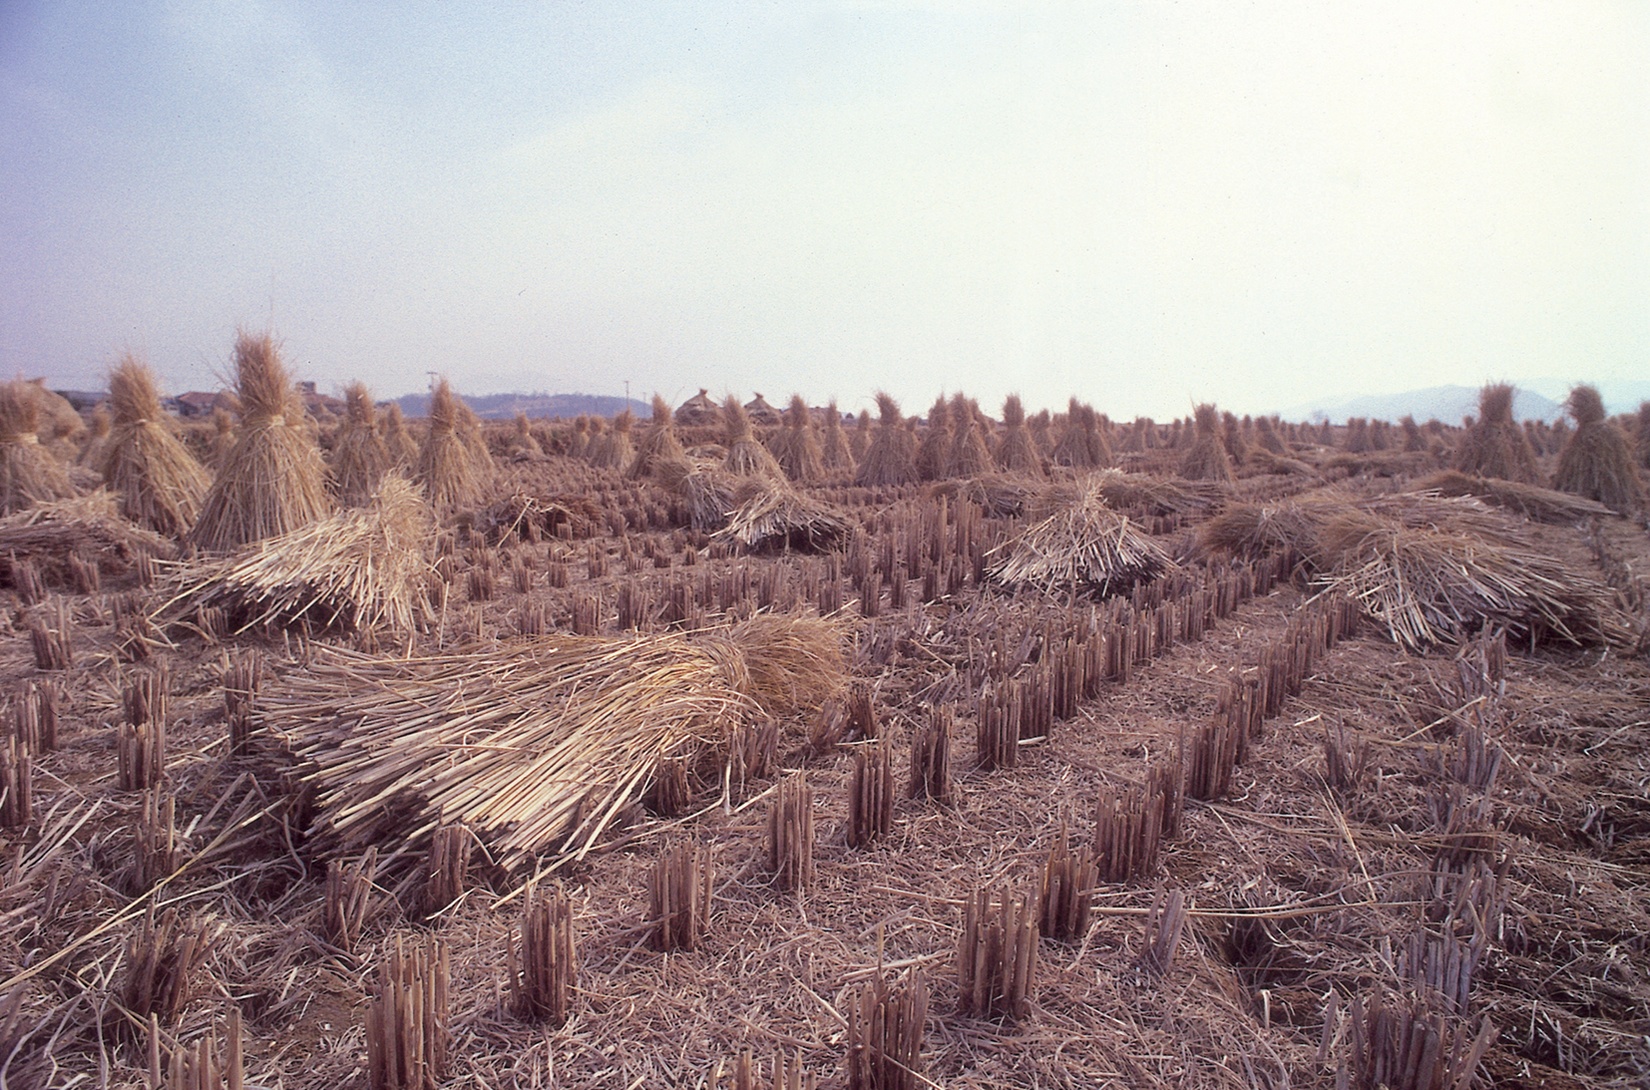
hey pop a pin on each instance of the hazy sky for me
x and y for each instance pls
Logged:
(1140, 204)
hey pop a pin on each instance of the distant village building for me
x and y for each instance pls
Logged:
(698, 411)
(762, 414)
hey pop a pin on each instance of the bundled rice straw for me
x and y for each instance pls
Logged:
(659, 445)
(524, 446)
(1084, 546)
(1531, 501)
(1018, 453)
(358, 569)
(615, 450)
(1495, 446)
(745, 457)
(779, 517)
(999, 495)
(835, 453)
(1597, 461)
(89, 527)
(1135, 494)
(1643, 441)
(794, 446)
(534, 745)
(1079, 445)
(933, 456)
(157, 481)
(969, 456)
(272, 481)
(29, 473)
(399, 447)
(861, 440)
(359, 456)
(1207, 459)
(890, 459)
(97, 436)
(447, 467)
(61, 426)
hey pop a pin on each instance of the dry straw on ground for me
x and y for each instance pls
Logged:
(536, 745)
(29, 473)
(157, 481)
(780, 517)
(1084, 546)
(272, 481)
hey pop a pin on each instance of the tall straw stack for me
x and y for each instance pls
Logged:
(1073, 448)
(523, 444)
(1597, 461)
(659, 446)
(794, 446)
(273, 480)
(223, 438)
(155, 479)
(1018, 452)
(861, 440)
(969, 455)
(890, 459)
(1207, 459)
(29, 473)
(746, 457)
(1495, 446)
(447, 466)
(1642, 442)
(934, 449)
(616, 450)
(400, 447)
(359, 456)
(835, 452)
(97, 436)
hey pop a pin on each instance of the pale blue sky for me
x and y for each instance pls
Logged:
(1142, 205)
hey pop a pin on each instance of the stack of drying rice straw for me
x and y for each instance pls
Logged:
(891, 456)
(1597, 460)
(448, 467)
(359, 456)
(1207, 459)
(29, 473)
(272, 481)
(745, 457)
(1017, 454)
(534, 745)
(1083, 546)
(157, 481)
(794, 446)
(1495, 446)
(360, 569)
(659, 445)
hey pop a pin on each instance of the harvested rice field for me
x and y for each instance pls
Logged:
(755, 749)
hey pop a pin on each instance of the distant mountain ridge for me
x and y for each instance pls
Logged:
(536, 406)
(1446, 403)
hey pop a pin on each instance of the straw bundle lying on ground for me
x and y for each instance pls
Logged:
(359, 456)
(1207, 459)
(794, 446)
(534, 745)
(29, 473)
(1017, 454)
(746, 457)
(1084, 546)
(1135, 494)
(1495, 446)
(1597, 461)
(400, 448)
(1531, 501)
(272, 481)
(835, 452)
(890, 458)
(447, 467)
(779, 517)
(358, 569)
(156, 480)
(89, 527)
(999, 495)
(527, 517)
(659, 445)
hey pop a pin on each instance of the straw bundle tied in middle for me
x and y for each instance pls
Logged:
(535, 745)
(1083, 546)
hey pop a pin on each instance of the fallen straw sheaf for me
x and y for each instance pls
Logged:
(89, 526)
(779, 517)
(536, 744)
(359, 569)
(1084, 546)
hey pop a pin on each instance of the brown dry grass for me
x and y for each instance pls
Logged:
(159, 484)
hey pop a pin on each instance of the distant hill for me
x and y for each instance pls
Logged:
(536, 406)
(1446, 403)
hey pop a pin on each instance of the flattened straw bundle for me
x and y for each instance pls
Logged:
(400, 448)
(778, 517)
(890, 459)
(272, 481)
(1254, 531)
(89, 527)
(709, 494)
(999, 495)
(156, 480)
(359, 456)
(934, 449)
(1531, 501)
(659, 445)
(1597, 460)
(1084, 546)
(835, 453)
(746, 457)
(1441, 586)
(1018, 453)
(523, 444)
(534, 744)
(1207, 459)
(360, 569)
(969, 455)
(29, 473)
(1495, 446)
(794, 446)
(616, 450)
(447, 467)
